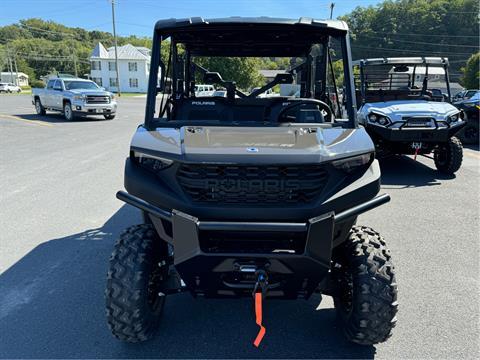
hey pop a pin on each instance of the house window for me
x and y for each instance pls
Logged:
(111, 66)
(132, 66)
(96, 65)
(98, 81)
(133, 83)
(113, 82)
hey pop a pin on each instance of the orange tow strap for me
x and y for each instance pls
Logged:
(258, 319)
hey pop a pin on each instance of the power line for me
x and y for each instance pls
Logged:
(426, 35)
(410, 51)
(422, 42)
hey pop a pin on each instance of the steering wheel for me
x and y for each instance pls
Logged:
(324, 108)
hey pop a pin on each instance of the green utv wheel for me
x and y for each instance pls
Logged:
(366, 295)
(135, 280)
(448, 157)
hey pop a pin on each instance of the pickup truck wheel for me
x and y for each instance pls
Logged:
(109, 117)
(68, 112)
(135, 283)
(365, 293)
(39, 108)
(448, 157)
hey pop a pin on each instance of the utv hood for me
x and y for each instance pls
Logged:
(284, 144)
(397, 110)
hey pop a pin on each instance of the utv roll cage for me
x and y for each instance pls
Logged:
(376, 81)
(246, 37)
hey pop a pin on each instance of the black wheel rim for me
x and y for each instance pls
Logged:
(344, 281)
(155, 288)
(441, 156)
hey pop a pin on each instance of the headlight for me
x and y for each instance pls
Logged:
(353, 163)
(150, 162)
(453, 118)
(112, 97)
(79, 97)
(378, 119)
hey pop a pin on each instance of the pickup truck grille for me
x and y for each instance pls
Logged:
(96, 99)
(246, 185)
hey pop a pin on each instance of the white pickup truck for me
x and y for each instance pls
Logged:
(74, 97)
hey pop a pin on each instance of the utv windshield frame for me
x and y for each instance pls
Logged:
(259, 37)
(425, 62)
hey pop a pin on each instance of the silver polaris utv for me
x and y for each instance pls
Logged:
(405, 112)
(251, 196)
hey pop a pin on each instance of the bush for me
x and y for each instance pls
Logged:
(37, 83)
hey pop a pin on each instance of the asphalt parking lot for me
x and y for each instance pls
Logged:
(59, 219)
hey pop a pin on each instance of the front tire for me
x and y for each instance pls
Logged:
(68, 112)
(109, 116)
(135, 281)
(365, 293)
(469, 134)
(39, 107)
(448, 157)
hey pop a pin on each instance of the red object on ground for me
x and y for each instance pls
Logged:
(416, 153)
(258, 319)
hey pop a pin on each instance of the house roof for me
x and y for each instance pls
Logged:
(7, 73)
(99, 51)
(271, 73)
(126, 52)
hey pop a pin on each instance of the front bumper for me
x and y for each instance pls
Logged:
(439, 133)
(80, 107)
(217, 270)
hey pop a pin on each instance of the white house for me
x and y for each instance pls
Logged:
(20, 79)
(133, 68)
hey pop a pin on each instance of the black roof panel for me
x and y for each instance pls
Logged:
(173, 23)
(241, 36)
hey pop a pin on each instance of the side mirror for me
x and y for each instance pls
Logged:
(283, 78)
(102, 88)
(212, 78)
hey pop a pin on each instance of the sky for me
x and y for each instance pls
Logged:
(137, 17)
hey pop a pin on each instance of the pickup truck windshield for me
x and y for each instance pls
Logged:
(73, 85)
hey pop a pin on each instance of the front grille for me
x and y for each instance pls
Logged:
(418, 121)
(245, 185)
(96, 99)
(252, 242)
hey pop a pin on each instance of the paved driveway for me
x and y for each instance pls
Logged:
(59, 218)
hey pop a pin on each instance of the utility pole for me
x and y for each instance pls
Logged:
(332, 5)
(16, 69)
(74, 55)
(115, 44)
(10, 66)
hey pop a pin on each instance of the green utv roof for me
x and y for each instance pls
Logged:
(248, 36)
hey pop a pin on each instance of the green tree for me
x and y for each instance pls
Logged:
(244, 71)
(471, 72)
(448, 28)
